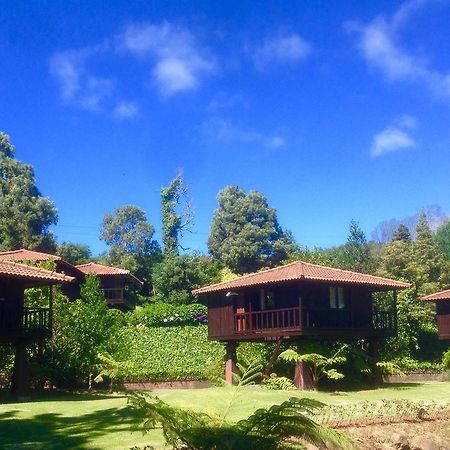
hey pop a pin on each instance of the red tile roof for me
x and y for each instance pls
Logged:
(10, 269)
(300, 270)
(441, 295)
(101, 269)
(26, 255)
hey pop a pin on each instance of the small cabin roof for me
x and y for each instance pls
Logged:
(300, 270)
(101, 269)
(437, 296)
(32, 275)
(23, 255)
(27, 255)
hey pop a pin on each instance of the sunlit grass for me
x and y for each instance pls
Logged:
(63, 421)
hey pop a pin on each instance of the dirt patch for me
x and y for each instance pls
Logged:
(420, 435)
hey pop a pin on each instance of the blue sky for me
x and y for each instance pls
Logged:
(334, 110)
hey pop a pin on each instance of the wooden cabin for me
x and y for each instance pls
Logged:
(299, 300)
(442, 300)
(116, 283)
(25, 256)
(20, 325)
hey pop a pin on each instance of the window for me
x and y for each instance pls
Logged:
(337, 299)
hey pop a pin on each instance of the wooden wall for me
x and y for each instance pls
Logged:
(443, 319)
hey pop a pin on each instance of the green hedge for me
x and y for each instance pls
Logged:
(170, 353)
(167, 315)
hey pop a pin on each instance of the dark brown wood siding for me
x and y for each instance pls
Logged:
(220, 316)
(443, 318)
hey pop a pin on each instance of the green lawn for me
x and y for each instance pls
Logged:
(65, 421)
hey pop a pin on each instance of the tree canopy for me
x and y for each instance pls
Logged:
(25, 215)
(174, 221)
(130, 238)
(74, 253)
(245, 233)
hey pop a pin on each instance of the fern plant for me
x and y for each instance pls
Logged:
(320, 366)
(280, 427)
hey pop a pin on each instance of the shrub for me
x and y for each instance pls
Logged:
(169, 353)
(168, 315)
(278, 383)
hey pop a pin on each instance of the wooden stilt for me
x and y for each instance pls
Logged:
(302, 376)
(376, 374)
(230, 363)
(20, 378)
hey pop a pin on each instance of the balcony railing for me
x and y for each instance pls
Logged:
(114, 295)
(303, 319)
(24, 322)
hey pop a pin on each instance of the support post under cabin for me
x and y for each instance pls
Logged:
(230, 363)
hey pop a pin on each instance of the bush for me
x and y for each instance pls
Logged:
(278, 383)
(170, 353)
(168, 315)
(411, 365)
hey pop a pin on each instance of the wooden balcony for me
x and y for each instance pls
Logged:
(31, 323)
(337, 323)
(114, 296)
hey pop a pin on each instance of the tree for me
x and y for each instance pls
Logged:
(130, 237)
(74, 253)
(82, 329)
(25, 216)
(443, 238)
(429, 266)
(176, 276)
(245, 233)
(356, 250)
(402, 234)
(174, 222)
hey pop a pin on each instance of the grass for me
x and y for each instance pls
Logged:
(62, 421)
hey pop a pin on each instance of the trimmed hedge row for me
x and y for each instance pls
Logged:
(170, 353)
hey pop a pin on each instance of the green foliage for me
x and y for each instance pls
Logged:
(174, 222)
(74, 253)
(278, 383)
(82, 329)
(402, 234)
(245, 234)
(25, 216)
(319, 364)
(390, 368)
(112, 369)
(171, 353)
(254, 352)
(130, 238)
(175, 277)
(443, 238)
(276, 428)
(446, 360)
(408, 365)
(168, 315)
(356, 250)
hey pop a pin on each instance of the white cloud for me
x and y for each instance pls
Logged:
(126, 110)
(179, 61)
(78, 85)
(220, 130)
(379, 43)
(394, 137)
(281, 49)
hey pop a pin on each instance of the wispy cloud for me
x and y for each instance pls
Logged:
(379, 44)
(77, 84)
(179, 62)
(225, 100)
(281, 49)
(126, 110)
(396, 136)
(220, 130)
